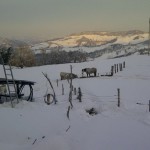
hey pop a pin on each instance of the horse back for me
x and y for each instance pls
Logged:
(94, 69)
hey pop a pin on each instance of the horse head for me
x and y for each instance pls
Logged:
(84, 70)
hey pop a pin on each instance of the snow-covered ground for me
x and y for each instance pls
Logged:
(37, 126)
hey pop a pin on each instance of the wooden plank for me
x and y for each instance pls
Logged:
(13, 95)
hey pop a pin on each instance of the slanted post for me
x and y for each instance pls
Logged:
(70, 93)
(118, 97)
(71, 77)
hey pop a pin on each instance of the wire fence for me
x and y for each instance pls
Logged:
(99, 98)
(86, 95)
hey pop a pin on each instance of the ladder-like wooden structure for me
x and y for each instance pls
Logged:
(12, 89)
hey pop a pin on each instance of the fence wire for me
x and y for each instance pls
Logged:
(98, 98)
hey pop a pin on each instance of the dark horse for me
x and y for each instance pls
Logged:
(89, 71)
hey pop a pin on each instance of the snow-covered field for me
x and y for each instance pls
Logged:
(37, 126)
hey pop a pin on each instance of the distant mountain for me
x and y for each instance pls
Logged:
(12, 42)
(119, 33)
(94, 38)
(96, 41)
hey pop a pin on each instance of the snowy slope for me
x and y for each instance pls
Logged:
(37, 126)
(95, 39)
(102, 39)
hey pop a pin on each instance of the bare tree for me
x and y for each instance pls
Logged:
(22, 56)
(43, 52)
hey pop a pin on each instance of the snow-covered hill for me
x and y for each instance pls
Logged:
(101, 38)
(37, 126)
(92, 41)
(95, 44)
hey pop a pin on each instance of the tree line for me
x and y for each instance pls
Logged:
(25, 57)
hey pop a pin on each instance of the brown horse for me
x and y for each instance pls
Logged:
(89, 71)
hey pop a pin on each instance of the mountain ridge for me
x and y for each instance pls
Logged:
(89, 41)
(96, 38)
(98, 43)
(110, 32)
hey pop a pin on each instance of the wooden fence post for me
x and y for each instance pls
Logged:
(112, 70)
(120, 65)
(118, 97)
(79, 95)
(57, 82)
(75, 91)
(124, 65)
(117, 67)
(62, 89)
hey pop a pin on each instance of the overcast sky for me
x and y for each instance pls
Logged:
(56, 18)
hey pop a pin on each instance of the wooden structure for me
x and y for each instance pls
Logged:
(9, 75)
(20, 84)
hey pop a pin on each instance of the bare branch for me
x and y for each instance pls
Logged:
(55, 101)
(68, 112)
(67, 129)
